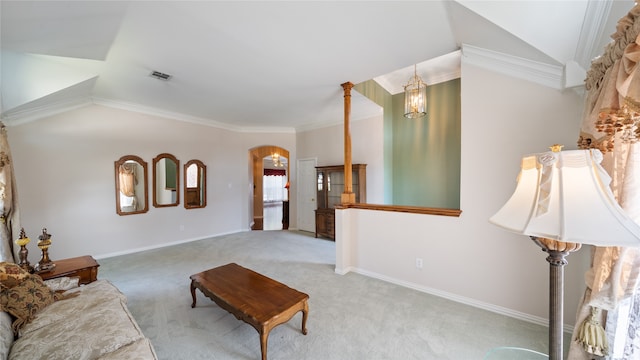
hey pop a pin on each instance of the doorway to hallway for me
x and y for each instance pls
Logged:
(272, 215)
(267, 162)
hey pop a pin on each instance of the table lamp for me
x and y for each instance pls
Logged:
(562, 200)
(22, 241)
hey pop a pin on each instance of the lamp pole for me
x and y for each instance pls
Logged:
(557, 250)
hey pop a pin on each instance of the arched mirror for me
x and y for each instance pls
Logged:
(166, 180)
(131, 185)
(195, 184)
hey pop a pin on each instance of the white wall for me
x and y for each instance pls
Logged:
(65, 172)
(466, 258)
(327, 146)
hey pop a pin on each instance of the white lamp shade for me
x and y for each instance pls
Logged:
(566, 196)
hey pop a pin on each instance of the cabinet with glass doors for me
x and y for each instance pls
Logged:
(330, 186)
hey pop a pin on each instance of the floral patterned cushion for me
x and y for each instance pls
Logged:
(23, 301)
(11, 274)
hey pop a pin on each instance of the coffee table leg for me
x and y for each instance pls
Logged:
(264, 337)
(193, 294)
(305, 313)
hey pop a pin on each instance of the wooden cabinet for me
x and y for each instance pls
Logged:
(330, 186)
(325, 223)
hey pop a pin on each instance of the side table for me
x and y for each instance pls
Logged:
(85, 267)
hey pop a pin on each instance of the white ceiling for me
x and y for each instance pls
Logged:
(278, 65)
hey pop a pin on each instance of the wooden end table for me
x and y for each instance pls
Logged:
(251, 297)
(85, 267)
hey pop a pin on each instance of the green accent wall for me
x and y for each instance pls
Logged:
(171, 169)
(376, 93)
(421, 156)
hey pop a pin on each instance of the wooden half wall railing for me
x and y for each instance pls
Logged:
(348, 197)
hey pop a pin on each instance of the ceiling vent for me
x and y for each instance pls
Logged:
(161, 76)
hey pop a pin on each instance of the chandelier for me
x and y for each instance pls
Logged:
(415, 97)
(276, 160)
(623, 122)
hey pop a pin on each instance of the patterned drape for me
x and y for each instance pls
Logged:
(9, 210)
(611, 297)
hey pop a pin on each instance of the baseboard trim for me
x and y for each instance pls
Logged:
(348, 269)
(159, 246)
(453, 297)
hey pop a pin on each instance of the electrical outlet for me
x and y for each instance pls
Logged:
(419, 263)
(181, 227)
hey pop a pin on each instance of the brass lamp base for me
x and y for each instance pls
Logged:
(23, 254)
(24, 263)
(557, 251)
(43, 244)
(44, 260)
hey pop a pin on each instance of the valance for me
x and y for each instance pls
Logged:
(275, 172)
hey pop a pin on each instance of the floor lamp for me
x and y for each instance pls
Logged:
(563, 200)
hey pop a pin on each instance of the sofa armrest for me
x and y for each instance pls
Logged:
(63, 283)
(6, 335)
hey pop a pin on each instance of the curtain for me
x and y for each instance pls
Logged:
(128, 179)
(608, 319)
(275, 172)
(9, 210)
(274, 189)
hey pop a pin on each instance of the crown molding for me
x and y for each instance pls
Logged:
(595, 19)
(147, 110)
(187, 118)
(433, 71)
(541, 73)
(19, 117)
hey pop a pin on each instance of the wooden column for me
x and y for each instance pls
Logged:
(347, 197)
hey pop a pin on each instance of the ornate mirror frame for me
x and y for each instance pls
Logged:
(166, 181)
(195, 197)
(130, 182)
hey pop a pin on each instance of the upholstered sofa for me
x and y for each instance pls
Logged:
(81, 322)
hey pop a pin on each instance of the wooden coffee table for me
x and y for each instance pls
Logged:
(251, 297)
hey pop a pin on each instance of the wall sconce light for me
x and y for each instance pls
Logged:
(415, 96)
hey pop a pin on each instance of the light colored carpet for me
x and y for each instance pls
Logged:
(350, 316)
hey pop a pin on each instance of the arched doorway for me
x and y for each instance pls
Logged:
(257, 157)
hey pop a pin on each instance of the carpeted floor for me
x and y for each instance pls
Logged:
(351, 317)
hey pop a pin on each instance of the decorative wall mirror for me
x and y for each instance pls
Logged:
(132, 195)
(166, 180)
(195, 184)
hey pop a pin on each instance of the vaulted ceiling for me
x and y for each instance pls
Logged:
(278, 65)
